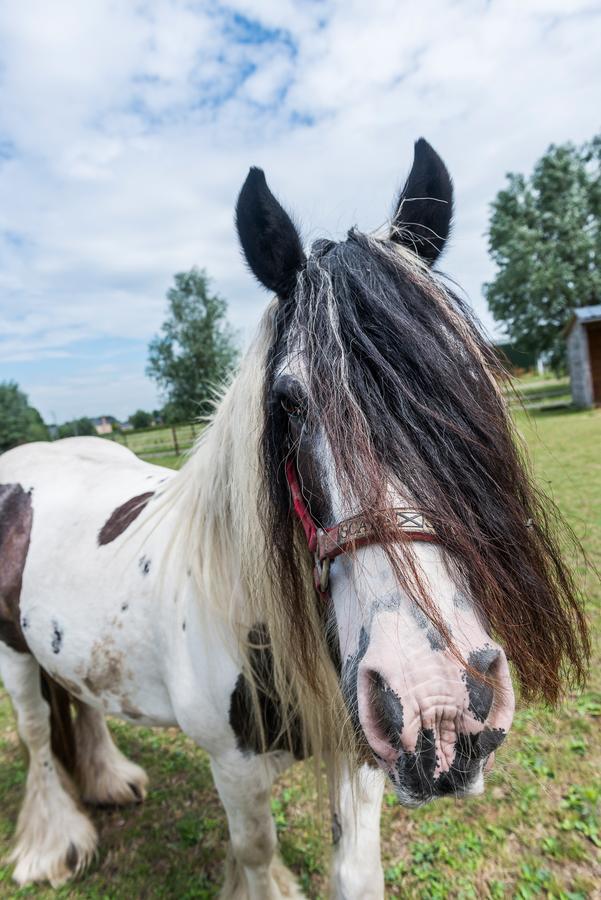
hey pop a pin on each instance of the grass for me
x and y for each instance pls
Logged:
(172, 462)
(535, 833)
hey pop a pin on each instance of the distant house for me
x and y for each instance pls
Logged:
(104, 424)
(583, 338)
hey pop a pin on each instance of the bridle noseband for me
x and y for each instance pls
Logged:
(327, 543)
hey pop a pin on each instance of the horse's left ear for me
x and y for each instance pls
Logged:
(269, 239)
(422, 220)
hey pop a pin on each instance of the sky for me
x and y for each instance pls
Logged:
(127, 129)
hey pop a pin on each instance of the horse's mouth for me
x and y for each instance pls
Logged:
(419, 789)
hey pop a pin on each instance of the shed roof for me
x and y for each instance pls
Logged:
(584, 315)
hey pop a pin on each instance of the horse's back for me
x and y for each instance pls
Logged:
(76, 486)
(101, 467)
(85, 449)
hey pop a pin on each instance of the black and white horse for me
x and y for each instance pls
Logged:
(342, 568)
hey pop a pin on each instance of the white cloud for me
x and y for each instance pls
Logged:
(133, 126)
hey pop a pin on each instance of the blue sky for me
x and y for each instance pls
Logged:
(126, 131)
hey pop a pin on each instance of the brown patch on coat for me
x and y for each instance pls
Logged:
(16, 517)
(106, 668)
(122, 517)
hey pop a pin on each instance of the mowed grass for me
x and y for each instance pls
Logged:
(535, 832)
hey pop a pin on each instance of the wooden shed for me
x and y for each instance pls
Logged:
(583, 336)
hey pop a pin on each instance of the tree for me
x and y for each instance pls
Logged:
(76, 428)
(19, 422)
(545, 238)
(140, 419)
(195, 352)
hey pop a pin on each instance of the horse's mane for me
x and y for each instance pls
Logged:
(220, 539)
(409, 394)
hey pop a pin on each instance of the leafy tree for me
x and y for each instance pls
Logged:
(171, 415)
(545, 237)
(195, 351)
(19, 422)
(76, 428)
(140, 419)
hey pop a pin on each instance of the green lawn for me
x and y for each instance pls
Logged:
(535, 833)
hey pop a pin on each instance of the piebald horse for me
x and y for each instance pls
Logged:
(342, 568)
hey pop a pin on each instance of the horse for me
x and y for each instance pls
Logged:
(343, 568)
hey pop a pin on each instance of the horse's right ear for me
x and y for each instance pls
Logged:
(270, 242)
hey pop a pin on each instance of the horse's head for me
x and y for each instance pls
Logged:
(383, 412)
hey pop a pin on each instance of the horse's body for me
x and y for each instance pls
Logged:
(86, 620)
(368, 404)
(106, 619)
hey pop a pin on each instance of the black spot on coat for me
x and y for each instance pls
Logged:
(270, 734)
(57, 638)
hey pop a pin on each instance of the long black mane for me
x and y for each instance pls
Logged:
(409, 393)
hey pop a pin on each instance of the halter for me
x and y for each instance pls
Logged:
(327, 543)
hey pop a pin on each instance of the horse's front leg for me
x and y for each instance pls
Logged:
(356, 872)
(253, 869)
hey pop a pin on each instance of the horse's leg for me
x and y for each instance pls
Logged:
(54, 838)
(253, 871)
(104, 775)
(356, 872)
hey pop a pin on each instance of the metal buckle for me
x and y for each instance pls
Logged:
(324, 574)
(322, 567)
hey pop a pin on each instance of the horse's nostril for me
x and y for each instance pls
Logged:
(386, 707)
(481, 692)
(485, 660)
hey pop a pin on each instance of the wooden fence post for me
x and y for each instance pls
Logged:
(175, 444)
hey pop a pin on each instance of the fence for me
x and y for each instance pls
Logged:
(541, 394)
(162, 440)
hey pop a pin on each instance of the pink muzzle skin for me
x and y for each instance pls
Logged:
(412, 696)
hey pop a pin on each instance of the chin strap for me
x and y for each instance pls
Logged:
(327, 543)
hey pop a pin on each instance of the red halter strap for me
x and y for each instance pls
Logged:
(327, 543)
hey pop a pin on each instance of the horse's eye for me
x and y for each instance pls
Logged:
(291, 407)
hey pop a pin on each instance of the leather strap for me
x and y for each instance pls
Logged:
(327, 543)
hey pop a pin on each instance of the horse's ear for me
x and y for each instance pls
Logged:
(422, 220)
(270, 242)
